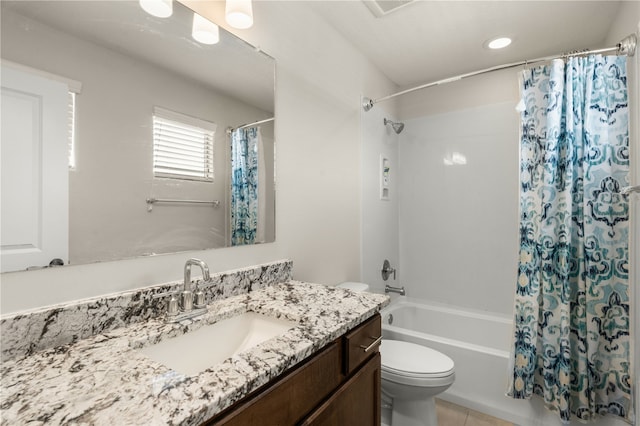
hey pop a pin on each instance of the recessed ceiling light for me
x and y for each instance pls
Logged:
(499, 43)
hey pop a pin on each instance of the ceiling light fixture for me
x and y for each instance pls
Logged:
(159, 8)
(204, 31)
(239, 13)
(499, 43)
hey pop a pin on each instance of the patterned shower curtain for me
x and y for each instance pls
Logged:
(244, 186)
(571, 336)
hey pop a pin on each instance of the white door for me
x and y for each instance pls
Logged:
(34, 202)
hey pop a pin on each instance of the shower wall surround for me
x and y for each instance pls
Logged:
(379, 217)
(459, 207)
(24, 333)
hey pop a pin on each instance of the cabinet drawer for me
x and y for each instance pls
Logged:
(361, 343)
(289, 399)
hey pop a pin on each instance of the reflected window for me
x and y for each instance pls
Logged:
(182, 146)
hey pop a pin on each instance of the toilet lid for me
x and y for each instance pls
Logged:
(357, 287)
(410, 359)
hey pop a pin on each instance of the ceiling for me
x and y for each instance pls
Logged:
(231, 66)
(425, 41)
(420, 42)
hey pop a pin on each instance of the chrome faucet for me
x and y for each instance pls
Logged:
(387, 270)
(399, 290)
(188, 306)
(187, 295)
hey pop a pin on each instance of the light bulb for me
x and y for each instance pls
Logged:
(239, 13)
(204, 31)
(159, 8)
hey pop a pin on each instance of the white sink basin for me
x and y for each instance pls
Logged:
(194, 352)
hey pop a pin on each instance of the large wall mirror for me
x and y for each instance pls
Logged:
(123, 136)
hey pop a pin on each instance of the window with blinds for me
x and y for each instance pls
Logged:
(182, 146)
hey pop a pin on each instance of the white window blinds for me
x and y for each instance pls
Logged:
(182, 146)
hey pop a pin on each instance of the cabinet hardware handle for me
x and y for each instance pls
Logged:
(374, 344)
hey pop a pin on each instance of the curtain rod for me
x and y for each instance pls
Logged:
(255, 123)
(626, 47)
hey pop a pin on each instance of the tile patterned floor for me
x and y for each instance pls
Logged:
(454, 415)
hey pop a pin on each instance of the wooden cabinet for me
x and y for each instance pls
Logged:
(338, 385)
(362, 342)
(356, 402)
(287, 400)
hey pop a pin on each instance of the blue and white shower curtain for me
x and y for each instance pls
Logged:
(244, 185)
(571, 340)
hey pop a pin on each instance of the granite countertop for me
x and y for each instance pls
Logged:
(104, 380)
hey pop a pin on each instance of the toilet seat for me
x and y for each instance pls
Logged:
(354, 286)
(416, 365)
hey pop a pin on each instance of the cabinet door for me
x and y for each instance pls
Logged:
(290, 398)
(356, 402)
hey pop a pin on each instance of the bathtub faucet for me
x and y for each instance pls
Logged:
(390, 289)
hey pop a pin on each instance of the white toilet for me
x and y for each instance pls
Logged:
(412, 375)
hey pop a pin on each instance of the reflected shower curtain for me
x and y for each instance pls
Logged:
(571, 335)
(244, 185)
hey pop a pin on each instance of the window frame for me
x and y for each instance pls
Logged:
(186, 151)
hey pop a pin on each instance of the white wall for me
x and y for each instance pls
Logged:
(320, 79)
(627, 22)
(486, 89)
(382, 221)
(379, 217)
(459, 223)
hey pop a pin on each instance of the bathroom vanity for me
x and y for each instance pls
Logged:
(338, 385)
(317, 372)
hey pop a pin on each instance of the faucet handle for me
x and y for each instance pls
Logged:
(172, 308)
(387, 270)
(198, 301)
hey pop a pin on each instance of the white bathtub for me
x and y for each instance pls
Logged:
(478, 343)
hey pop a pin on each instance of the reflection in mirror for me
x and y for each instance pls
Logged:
(128, 129)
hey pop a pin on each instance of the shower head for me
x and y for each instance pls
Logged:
(397, 127)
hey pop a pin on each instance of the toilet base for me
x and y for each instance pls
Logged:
(416, 412)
